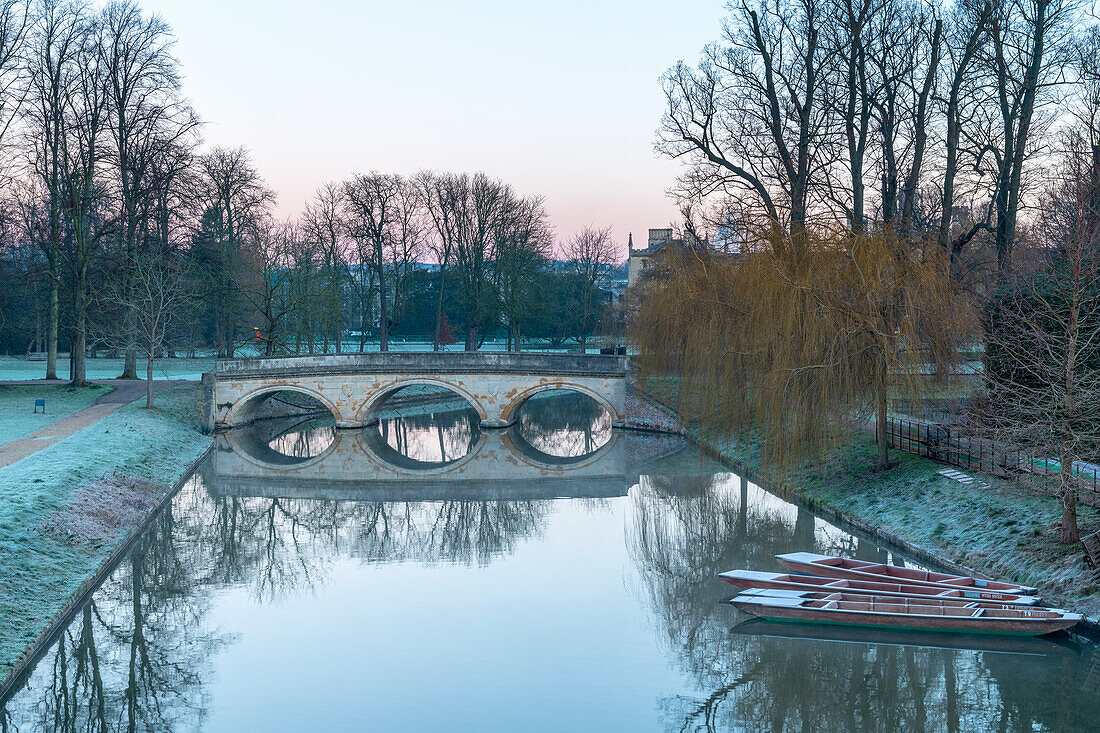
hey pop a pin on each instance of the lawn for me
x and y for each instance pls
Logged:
(17, 406)
(40, 570)
(17, 369)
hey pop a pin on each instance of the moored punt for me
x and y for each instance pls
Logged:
(839, 567)
(1057, 645)
(899, 613)
(881, 587)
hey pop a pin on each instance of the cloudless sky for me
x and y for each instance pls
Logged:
(559, 98)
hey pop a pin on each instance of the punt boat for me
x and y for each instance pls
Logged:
(944, 615)
(778, 581)
(809, 563)
(1050, 645)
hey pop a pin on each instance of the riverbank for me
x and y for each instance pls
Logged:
(1004, 528)
(66, 509)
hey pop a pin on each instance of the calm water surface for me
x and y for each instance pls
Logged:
(559, 576)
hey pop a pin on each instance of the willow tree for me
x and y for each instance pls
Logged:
(797, 343)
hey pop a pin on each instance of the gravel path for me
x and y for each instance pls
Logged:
(124, 393)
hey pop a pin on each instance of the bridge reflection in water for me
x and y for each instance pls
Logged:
(562, 446)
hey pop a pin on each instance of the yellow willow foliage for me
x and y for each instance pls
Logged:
(795, 343)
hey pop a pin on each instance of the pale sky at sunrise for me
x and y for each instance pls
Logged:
(558, 98)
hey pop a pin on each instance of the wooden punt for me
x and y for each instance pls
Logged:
(1051, 645)
(809, 563)
(945, 615)
(779, 581)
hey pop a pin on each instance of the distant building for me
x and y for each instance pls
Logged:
(642, 263)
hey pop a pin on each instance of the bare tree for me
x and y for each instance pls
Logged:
(591, 253)
(751, 119)
(522, 248)
(234, 199)
(147, 115)
(323, 223)
(1043, 350)
(83, 192)
(53, 46)
(372, 210)
(965, 38)
(152, 298)
(279, 250)
(1029, 46)
(441, 194)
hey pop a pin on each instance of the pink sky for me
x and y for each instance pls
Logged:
(558, 98)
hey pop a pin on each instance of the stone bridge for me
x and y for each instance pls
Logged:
(353, 387)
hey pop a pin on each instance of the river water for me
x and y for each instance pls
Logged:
(559, 576)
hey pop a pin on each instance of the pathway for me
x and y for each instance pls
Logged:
(124, 393)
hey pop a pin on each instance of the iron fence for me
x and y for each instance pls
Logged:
(942, 443)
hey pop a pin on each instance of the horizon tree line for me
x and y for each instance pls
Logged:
(120, 233)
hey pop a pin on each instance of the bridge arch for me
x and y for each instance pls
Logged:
(243, 410)
(368, 415)
(509, 411)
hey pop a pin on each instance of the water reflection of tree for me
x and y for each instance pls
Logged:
(132, 658)
(279, 546)
(304, 442)
(448, 531)
(564, 424)
(681, 537)
(438, 437)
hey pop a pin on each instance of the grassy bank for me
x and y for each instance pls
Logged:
(1006, 528)
(66, 508)
(14, 368)
(17, 406)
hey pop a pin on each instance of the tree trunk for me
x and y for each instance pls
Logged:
(149, 380)
(383, 317)
(1068, 492)
(471, 337)
(438, 336)
(129, 365)
(78, 365)
(51, 327)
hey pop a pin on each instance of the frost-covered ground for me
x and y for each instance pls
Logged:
(17, 369)
(1006, 528)
(41, 564)
(18, 418)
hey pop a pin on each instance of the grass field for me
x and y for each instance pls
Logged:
(17, 369)
(17, 406)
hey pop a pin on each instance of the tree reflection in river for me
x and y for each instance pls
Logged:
(134, 657)
(432, 437)
(680, 541)
(305, 438)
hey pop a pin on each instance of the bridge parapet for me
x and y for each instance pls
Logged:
(427, 362)
(353, 386)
